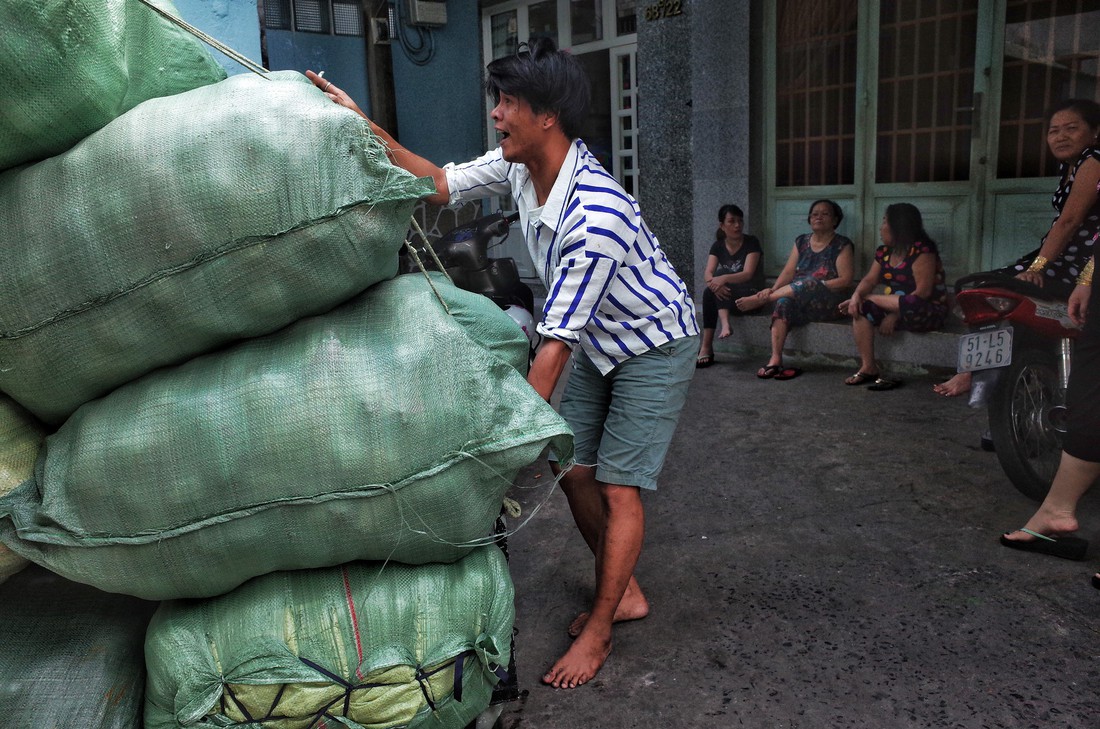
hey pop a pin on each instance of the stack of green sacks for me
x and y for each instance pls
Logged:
(187, 223)
(197, 298)
(389, 428)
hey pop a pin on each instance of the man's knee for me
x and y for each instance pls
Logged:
(576, 477)
(615, 496)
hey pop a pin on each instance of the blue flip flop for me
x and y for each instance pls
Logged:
(1064, 547)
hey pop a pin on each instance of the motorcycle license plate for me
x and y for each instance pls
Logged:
(985, 350)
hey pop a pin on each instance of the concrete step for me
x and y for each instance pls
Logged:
(831, 343)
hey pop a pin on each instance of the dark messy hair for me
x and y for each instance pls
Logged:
(722, 213)
(548, 79)
(837, 212)
(1088, 109)
(906, 227)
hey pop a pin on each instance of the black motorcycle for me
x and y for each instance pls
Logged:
(464, 254)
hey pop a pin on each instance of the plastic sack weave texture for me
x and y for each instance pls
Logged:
(377, 645)
(71, 655)
(191, 221)
(386, 429)
(21, 438)
(71, 66)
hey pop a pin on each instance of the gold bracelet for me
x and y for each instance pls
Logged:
(1038, 264)
(1085, 277)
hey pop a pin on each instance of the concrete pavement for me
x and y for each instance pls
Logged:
(817, 556)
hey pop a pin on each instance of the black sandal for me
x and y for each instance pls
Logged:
(883, 383)
(768, 371)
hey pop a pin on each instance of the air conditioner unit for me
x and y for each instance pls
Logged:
(425, 12)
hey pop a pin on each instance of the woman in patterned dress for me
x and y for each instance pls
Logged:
(914, 296)
(816, 277)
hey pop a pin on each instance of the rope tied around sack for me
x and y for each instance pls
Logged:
(422, 677)
(420, 264)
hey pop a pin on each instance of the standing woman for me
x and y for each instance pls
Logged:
(734, 269)
(1049, 529)
(1073, 128)
(914, 297)
(815, 279)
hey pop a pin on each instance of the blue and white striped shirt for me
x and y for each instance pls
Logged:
(610, 287)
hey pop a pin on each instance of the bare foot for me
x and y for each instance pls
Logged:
(749, 303)
(1048, 524)
(724, 332)
(957, 385)
(582, 661)
(633, 606)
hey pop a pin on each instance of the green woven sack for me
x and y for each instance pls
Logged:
(71, 655)
(381, 430)
(21, 438)
(71, 66)
(191, 221)
(366, 644)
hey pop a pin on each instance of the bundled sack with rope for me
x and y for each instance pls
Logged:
(21, 438)
(71, 66)
(71, 655)
(191, 221)
(386, 429)
(365, 644)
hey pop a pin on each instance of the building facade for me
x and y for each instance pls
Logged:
(769, 105)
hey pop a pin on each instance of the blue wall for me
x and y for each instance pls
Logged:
(342, 58)
(440, 106)
(236, 23)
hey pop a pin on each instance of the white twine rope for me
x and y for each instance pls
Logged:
(209, 40)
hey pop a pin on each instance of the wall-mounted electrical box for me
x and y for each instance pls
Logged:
(425, 12)
(381, 31)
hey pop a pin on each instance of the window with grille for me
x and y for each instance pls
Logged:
(1051, 53)
(815, 92)
(330, 17)
(925, 91)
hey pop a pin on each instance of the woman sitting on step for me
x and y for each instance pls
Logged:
(914, 291)
(816, 277)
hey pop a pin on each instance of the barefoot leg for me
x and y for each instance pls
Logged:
(957, 385)
(633, 606)
(583, 493)
(618, 547)
(724, 318)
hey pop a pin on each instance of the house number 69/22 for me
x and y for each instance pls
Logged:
(663, 9)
